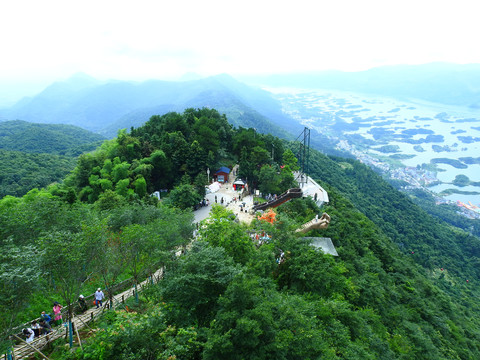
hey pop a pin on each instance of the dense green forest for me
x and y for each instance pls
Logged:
(404, 285)
(36, 155)
(446, 212)
(55, 139)
(20, 172)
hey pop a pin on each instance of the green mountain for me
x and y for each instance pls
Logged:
(56, 139)
(404, 285)
(106, 107)
(20, 172)
(35, 155)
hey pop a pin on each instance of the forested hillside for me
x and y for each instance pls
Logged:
(404, 285)
(36, 155)
(55, 139)
(21, 172)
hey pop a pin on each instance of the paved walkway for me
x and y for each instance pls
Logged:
(309, 188)
(228, 194)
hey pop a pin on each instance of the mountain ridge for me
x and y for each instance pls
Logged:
(96, 106)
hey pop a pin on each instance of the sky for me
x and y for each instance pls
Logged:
(50, 40)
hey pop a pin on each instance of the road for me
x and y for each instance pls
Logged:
(228, 194)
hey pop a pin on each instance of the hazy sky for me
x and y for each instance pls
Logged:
(43, 41)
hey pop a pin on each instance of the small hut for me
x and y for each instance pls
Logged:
(238, 185)
(222, 174)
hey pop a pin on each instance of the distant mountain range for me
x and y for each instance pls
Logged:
(443, 83)
(106, 107)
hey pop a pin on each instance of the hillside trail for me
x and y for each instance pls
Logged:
(80, 321)
(226, 192)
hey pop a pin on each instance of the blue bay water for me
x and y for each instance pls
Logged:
(395, 116)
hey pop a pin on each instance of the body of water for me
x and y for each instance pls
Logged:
(441, 131)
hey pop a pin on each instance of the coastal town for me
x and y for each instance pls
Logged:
(415, 177)
(355, 129)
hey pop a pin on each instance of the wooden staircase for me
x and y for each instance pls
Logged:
(26, 351)
(286, 196)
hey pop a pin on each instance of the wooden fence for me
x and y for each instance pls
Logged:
(22, 350)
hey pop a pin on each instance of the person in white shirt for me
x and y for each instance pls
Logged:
(99, 296)
(29, 334)
(36, 328)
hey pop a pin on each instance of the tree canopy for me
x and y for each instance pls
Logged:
(397, 290)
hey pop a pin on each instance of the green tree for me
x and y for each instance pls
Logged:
(196, 160)
(207, 134)
(256, 322)
(184, 196)
(162, 172)
(269, 180)
(67, 258)
(109, 200)
(287, 180)
(121, 187)
(140, 186)
(142, 336)
(120, 171)
(109, 262)
(19, 278)
(199, 183)
(222, 231)
(146, 248)
(137, 245)
(259, 157)
(194, 283)
(128, 147)
(107, 168)
(290, 160)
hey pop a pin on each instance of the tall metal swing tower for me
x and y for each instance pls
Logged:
(303, 156)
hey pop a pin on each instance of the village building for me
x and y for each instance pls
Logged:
(222, 174)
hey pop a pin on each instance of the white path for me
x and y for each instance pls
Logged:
(228, 194)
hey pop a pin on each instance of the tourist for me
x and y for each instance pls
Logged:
(45, 327)
(36, 328)
(82, 304)
(57, 312)
(47, 318)
(30, 335)
(99, 296)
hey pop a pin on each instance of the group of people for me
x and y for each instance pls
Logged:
(42, 327)
(204, 202)
(45, 323)
(271, 197)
